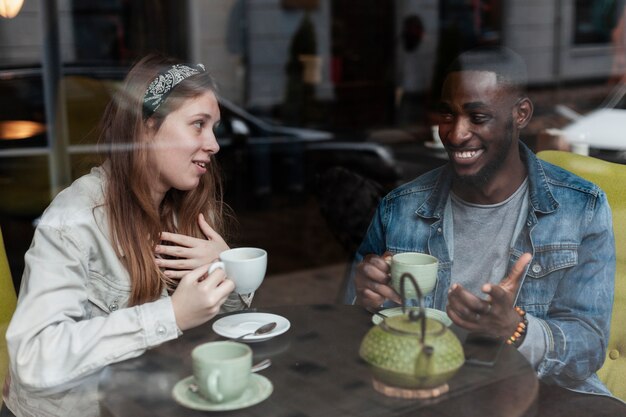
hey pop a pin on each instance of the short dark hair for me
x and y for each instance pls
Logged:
(509, 67)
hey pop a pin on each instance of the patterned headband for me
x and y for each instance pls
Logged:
(164, 83)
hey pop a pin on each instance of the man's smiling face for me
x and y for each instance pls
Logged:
(476, 125)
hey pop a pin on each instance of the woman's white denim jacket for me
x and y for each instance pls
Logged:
(72, 317)
(568, 286)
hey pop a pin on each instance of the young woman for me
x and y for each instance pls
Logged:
(118, 261)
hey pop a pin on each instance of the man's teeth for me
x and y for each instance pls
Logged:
(465, 154)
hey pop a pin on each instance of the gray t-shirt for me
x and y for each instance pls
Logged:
(483, 236)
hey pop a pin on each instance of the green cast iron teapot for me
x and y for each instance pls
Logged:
(410, 350)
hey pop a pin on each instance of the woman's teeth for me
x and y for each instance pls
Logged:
(201, 164)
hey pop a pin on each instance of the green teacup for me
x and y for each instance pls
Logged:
(221, 370)
(423, 267)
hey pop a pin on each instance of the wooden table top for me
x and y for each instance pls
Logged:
(316, 371)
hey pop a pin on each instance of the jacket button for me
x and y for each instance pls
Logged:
(614, 354)
(114, 306)
(536, 268)
(439, 230)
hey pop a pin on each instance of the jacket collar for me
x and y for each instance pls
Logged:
(541, 198)
(435, 203)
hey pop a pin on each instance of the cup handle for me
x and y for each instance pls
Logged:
(216, 265)
(211, 383)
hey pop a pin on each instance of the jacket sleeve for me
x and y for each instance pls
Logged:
(53, 339)
(579, 316)
(373, 242)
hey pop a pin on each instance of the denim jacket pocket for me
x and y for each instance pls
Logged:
(548, 267)
(551, 258)
(106, 295)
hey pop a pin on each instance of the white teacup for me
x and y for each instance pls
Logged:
(244, 266)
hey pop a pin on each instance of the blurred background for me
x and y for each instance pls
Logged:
(326, 104)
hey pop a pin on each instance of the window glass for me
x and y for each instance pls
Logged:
(114, 32)
(594, 20)
(326, 107)
(318, 85)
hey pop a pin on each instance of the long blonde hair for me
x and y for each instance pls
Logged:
(135, 224)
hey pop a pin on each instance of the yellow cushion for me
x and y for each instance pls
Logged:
(611, 177)
(7, 306)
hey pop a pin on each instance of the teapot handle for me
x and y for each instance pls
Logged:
(413, 315)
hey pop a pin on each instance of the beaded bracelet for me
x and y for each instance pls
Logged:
(521, 328)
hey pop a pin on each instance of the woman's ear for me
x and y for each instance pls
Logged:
(523, 112)
(148, 128)
(150, 123)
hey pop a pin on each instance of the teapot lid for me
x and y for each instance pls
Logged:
(404, 324)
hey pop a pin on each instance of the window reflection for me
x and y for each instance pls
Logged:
(360, 85)
(325, 107)
(117, 31)
(594, 20)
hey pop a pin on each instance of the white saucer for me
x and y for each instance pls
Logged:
(258, 390)
(236, 325)
(431, 313)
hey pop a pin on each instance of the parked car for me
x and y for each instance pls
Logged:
(276, 158)
(600, 132)
(259, 158)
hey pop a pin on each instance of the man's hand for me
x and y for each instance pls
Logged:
(371, 281)
(495, 315)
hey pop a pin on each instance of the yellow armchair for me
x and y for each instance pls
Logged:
(611, 177)
(7, 306)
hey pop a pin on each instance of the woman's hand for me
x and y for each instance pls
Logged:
(199, 296)
(189, 252)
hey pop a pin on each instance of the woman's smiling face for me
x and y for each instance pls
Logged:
(181, 149)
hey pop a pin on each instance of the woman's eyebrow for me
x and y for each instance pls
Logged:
(203, 115)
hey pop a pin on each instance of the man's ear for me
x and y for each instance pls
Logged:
(523, 112)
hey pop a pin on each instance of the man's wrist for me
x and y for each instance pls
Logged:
(520, 331)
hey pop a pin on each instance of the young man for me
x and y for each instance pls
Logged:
(497, 211)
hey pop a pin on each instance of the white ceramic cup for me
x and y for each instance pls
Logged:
(244, 266)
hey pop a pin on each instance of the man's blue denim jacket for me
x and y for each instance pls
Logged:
(568, 285)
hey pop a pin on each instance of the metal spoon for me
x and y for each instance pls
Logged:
(378, 313)
(264, 364)
(266, 328)
(381, 315)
